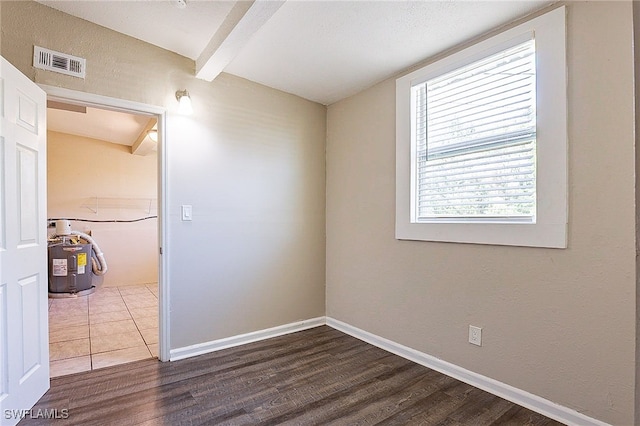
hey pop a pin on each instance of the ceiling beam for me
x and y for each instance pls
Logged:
(143, 145)
(244, 20)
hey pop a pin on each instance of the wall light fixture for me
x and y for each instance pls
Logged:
(153, 134)
(185, 102)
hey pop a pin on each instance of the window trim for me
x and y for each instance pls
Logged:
(550, 228)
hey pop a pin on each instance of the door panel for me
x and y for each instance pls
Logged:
(29, 294)
(24, 346)
(27, 113)
(3, 342)
(3, 224)
(27, 175)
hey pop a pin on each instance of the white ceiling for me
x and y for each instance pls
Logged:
(326, 51)
(115, 127)
(320, 50)
(185, 31)
(111, 126)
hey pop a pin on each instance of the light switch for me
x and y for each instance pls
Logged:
(186, 212)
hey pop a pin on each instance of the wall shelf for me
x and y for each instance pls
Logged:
(95, 204)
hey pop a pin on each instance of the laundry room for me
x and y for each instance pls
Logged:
(103, 237)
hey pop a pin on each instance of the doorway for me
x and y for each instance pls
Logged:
(117, 202)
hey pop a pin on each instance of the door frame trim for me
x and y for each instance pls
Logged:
(105, 102)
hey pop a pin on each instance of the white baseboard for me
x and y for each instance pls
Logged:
(241, 339)
(510, 393)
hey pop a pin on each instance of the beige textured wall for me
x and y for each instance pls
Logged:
(250, 161)
(636, 52)
(79, 169)
(557, 323)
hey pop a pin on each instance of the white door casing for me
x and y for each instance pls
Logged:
(24, 346)
(64, 95)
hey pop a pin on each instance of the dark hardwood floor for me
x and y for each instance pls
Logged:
(314, 377)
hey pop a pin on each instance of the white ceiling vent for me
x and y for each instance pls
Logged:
(51, 60)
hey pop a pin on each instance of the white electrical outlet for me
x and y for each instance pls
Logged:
(475, 335)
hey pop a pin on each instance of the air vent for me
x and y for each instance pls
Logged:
(51, 60)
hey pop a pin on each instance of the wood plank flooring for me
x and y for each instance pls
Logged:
(314, 377)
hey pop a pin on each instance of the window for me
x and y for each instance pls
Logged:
(481, 142)
(475, 139)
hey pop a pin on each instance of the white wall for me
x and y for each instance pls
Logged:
(78, 170)
(557, 323)
(250, 160)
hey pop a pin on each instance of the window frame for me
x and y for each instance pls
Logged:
(550, 226)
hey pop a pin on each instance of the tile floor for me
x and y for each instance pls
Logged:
(114, 325)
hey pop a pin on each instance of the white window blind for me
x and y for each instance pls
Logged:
(475, 140)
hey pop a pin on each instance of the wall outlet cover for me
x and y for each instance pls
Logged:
(475, 335)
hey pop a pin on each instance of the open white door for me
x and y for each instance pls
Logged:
(24, 340)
